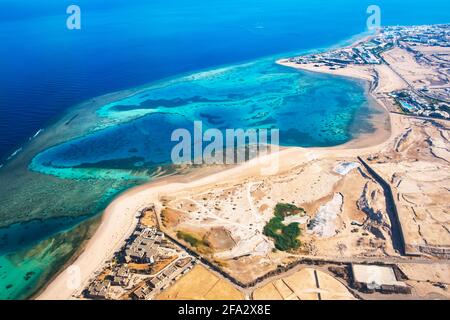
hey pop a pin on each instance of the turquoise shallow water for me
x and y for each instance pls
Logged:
(308, 109)
(129, 139)
(31, 252)
(19, 273)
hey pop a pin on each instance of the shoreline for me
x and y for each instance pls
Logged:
(86, 106)
(120, 217)
(121, 213)
(79, 120)
(377, 79)
(382, 131)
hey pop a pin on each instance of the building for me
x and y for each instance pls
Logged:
(144, 246)
(121, 277)
(154, 282)
(142, 293)
(377, 278)
(98, 290)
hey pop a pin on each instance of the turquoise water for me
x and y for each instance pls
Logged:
(129, 140)
(308, 109)
(46, 68)
(17, 273)
(31, 252)
(407, 106)
(21, 235)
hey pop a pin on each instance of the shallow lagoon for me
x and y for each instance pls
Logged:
(308, 109)
(126, 141)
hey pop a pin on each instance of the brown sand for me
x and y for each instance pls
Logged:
(201, 284)
(120, 219)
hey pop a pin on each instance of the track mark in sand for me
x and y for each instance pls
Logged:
(249, 197)
(317, 284)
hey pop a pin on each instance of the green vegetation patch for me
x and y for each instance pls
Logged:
(285, 237)
(286, 209)
(191, 239)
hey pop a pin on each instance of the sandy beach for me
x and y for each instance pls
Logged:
(387, 79)
(120, 217)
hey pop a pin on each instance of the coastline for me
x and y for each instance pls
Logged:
(78, 121)
(120, 217)
(382, 122)
(83, 111)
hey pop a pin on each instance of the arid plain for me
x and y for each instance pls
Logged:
(373, 215)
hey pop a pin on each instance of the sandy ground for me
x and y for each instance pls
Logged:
(306, 284)
(416, 74)
(430, 281)
(356, 72)
(336, 192)
(120, 216)
(417, 165)
(433, 273)
(201, 284)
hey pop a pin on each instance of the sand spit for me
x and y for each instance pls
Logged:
(120, 216)
(344, 201)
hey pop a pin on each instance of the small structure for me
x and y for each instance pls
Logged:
(377, 278)
(144, 246)
(183, 262)
(121, 277)
(98, 290)
(169, 271)
(154, 282)
(142, 293)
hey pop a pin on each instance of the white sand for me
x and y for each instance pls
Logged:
(119, 218)
(388, 80)
(323, 223)
(345, 168)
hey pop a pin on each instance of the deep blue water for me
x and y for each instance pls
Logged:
(46, 68)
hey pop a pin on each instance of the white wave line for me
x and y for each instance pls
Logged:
(14, 154)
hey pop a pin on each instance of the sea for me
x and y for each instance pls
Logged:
(65, 154)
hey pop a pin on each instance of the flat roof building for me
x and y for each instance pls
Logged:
(375, 277)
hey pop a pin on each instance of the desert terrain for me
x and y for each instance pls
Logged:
(366, 220)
